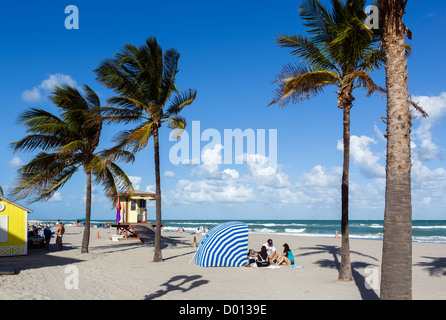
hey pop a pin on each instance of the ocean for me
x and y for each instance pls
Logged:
(432, 231)
(422, 230)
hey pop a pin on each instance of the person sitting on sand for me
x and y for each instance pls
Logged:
(287, 257)
(271, 249)
(261, 258)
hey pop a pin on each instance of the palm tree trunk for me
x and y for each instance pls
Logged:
(396, 277)
(158, 257)
(345, 102)
(86, 236)
(345, 270)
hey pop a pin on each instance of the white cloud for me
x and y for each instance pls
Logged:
(57, 79)
(230, 174)
(227, 191)
(57, 197)
(151, 188)
(15, 162)
(136, 182)
(169, 174)
(262, 173)
(425, 178)
(426, 149)
(256, 182)
(319, 177)
(379, 134)
(32, 95)
(211, 158)
(35, 94)
(363, 157)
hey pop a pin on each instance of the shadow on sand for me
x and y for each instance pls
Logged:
(180, 283)
(39, 258)
(335, 252)
(436, 267)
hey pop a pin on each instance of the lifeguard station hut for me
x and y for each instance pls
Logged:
(133, 211)
(13, 228)
(134, 208)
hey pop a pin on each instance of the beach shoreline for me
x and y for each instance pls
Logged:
(124, 270)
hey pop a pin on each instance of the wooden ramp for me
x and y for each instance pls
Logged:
(143, 231)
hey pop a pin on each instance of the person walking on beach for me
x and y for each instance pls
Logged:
(287, 257)
(271, 250)
(60, 232)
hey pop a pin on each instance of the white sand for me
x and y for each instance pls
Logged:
(125, 270)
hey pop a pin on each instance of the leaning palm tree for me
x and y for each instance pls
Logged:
(396, 278)
(67, 143)
(341, 52)
(144, 80)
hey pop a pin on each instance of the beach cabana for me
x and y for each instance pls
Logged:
(225, 245)
(13, 228)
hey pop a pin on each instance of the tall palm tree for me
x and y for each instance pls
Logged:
(67, 143)
(144, 80)
(396, 278)
(341, 52)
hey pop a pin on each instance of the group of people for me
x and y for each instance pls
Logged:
(47, 233)
(268, 255)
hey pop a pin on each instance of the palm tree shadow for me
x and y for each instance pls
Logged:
(436, 267)
(181, 283)
(335, 251)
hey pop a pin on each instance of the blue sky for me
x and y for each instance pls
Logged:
(228, 53)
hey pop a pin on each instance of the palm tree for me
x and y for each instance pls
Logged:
(341, 52)
(396, 278)
(144, 79)
(67, 143)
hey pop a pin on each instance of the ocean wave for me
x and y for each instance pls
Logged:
(432, 239)
(263, 230)
(276, 224)
(295, 230)
(428, 227)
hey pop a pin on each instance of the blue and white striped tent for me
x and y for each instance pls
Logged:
(225, 245)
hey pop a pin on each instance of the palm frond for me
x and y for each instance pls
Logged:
(110, 176)
(364, 80)
(170, 65)
(177, 124)
(180, 101)
(36, 141)
(43, 176)
(136, 138)
(299, 83)
(317, 19)
(306, 50)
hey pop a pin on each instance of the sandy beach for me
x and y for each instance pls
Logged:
(115, 270)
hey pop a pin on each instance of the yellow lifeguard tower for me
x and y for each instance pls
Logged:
(13, 228)
(134, 208)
